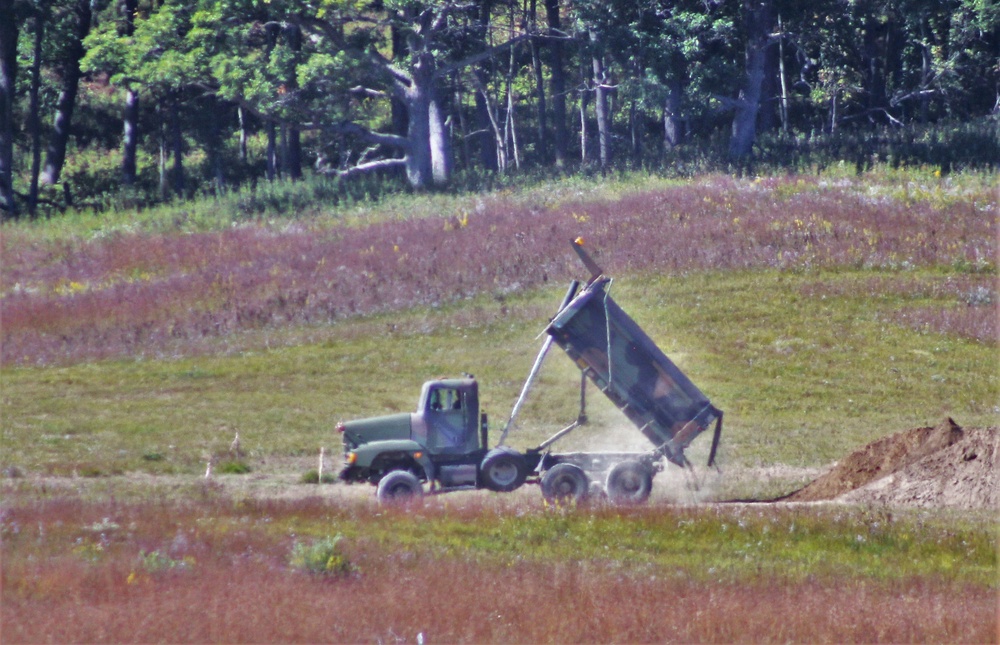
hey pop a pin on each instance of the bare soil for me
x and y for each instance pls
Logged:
(945, 466)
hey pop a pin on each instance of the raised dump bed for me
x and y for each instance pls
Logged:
(618, 357)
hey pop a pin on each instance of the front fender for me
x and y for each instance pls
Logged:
(369, 452)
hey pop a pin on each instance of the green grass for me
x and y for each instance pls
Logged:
(803, 377)
(318, 202)
(733, 544)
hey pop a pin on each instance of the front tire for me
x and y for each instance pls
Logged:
(565, 484)
(503, 471)
(399, 486)
(629, 482)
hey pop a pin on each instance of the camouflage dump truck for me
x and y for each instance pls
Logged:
(445, 444)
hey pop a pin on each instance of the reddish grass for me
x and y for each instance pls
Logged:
(138, 294)
(459, 601)
(58, 586)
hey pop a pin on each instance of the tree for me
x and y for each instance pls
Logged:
(34, 107)
(759, 24)
(557, 80)
(55, 154)
(601, 107)
(668, 54)
(130, 117)
(8, 76)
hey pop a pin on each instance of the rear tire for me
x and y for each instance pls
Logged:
(503, 471)
(399, 486)
(629, 482)
(565, 484)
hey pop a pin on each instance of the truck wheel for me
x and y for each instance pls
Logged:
(565, 483)
(629, 482)
(399, 486)
(503, 471)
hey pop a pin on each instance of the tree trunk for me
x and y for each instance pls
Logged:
(164, 183)
(485, 126)
(293, 141)
(584, 100)
(176, 145)
(510, 126)
(8, 75)
(398, 106)
(493, 126)
(216, 114)
(56, 153)
(272, 152)
(440, 141)
(34, 113)
(770, 92)
(635, 130)
(876, 35)
(558, 82)
(130, 136)
(293, 153)
(601, 103)
(783, 77)
(419, 160)
(760, 18)
(485, 121)
(458, 114)
(241, 115)
(673, 121)
(926, 76)
(536, 63)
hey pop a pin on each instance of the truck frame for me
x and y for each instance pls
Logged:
(445, 443)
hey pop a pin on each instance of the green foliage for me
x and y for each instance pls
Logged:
(920, 97)
(312, 477)
(321, 557)
(158, 562)
(233, 467)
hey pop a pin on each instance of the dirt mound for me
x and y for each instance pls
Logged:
(940, 466)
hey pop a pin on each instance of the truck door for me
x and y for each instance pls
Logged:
(447, 420)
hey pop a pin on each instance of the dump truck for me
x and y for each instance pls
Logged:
(445, 445)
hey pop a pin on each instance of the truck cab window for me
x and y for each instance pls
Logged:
(446, 418)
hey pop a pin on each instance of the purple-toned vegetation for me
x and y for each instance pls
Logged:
(215, 571)
(133, 294)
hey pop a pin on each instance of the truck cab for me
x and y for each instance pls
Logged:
(443, 441)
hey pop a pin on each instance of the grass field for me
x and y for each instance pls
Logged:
(819, 313)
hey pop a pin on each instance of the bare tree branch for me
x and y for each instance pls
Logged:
(371, 166)
(444, 70)
(368, 92)
(378, 138)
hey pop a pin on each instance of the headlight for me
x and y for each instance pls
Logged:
(352, 457)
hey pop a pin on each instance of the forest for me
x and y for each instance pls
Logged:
(131, 103)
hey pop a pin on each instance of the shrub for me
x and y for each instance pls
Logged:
(155, 562)
(233, 468)
(322, 557)
(312, 477)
